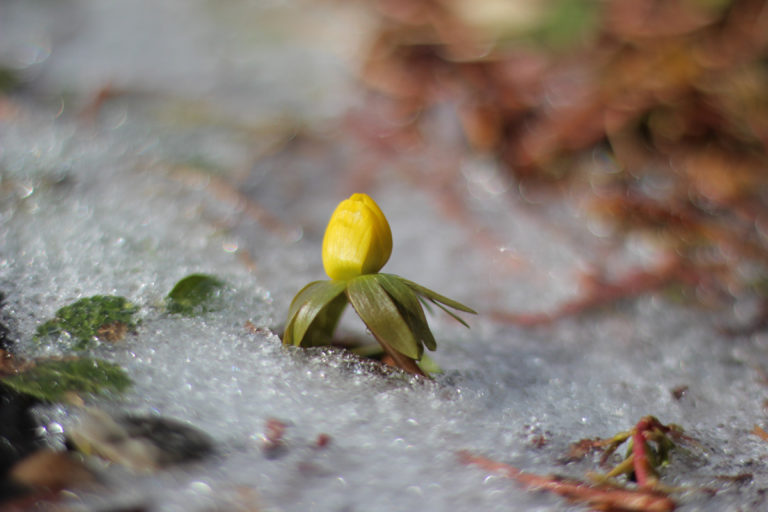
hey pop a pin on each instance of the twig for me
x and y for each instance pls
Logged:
(601, 497)
(223, 190)
(760, 432)
(601, 293)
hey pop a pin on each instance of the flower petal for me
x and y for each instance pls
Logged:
(358, 239)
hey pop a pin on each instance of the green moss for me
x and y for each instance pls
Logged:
(195, 294)
(567, 23)
(51, 380)
(9, 79)
(99, 317)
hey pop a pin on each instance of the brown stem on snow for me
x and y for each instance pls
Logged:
(401, 361)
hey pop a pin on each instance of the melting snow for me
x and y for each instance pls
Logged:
(120, 211)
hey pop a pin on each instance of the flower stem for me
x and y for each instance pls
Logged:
(401, 361)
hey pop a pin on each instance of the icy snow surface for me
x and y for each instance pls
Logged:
(152, 190)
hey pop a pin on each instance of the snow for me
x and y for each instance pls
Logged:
(118, 207)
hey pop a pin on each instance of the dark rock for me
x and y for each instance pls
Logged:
(18, 437)
(142, 443)
(18, 430)
(178, 442)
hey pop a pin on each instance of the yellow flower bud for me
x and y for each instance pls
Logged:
(357, 240)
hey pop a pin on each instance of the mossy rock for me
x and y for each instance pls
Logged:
(51, 380)
(104, 317)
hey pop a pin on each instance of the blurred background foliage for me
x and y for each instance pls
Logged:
(656, 109)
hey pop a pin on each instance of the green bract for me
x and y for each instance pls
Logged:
(390, 306)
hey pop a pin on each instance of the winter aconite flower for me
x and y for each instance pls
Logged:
(357, 244)
(357, 240)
